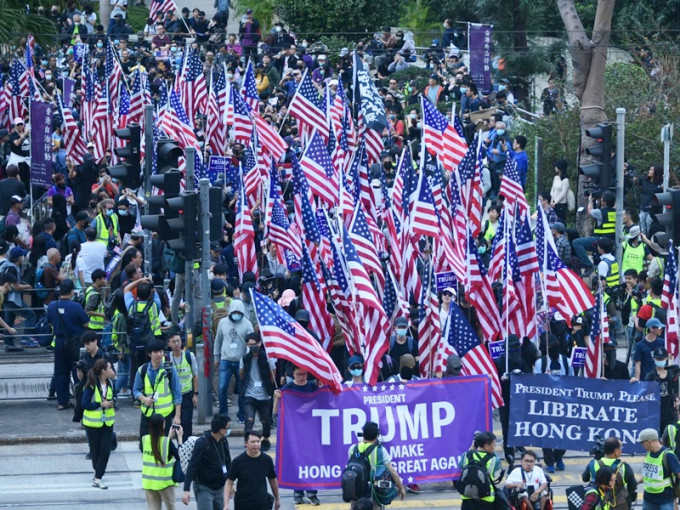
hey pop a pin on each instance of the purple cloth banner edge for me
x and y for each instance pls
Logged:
(41, 160)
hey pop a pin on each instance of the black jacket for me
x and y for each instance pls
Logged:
(205, 466)
(265, 372)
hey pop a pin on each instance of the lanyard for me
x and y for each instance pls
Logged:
(217, 451)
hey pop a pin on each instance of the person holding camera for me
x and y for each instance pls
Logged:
(528, 482)
(157, 388)
(92, 354)
(159, 455)
(99, 411)
(625, 484)
(480, 494)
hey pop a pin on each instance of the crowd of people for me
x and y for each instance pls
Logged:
(73, 281)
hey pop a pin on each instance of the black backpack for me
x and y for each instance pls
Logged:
(116, 301)
(475, 481)
(139, 326)
(356, 477)
(659, 313)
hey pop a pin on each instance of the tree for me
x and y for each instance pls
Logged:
(16, 22)
(105, 13)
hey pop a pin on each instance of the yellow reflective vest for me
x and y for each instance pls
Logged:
(100, 416)
(156, 477)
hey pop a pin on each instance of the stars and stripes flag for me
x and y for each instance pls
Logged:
(393, 302)
(215, 128)
(511, 188)
(424, 220)
(318, 168)
(599, 335)
(33, 86)
(527, 258)
(285, 339)
(564, 289)
(314, 301)
(161, 6)
(457, 254)
(242, 125)
(478, 292)
(244, 234)
(473, 354)
(429, 326)
(304, 208)
(471, 195)
(441, 138)
(194, 87)
(136, 98)
(669, 300)
(114, 74)
(365, 245)
(251, 173)
(271, 140)
(307, 107)
(281, 233)
(121, 122)
(74, 143)
(101, 124)
(16, 90)
(249, 87)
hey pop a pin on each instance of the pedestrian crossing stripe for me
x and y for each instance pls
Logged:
(416, 503)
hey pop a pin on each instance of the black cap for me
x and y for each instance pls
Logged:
(217, 286)
(371, 429)
(401, 321)
(660, 353)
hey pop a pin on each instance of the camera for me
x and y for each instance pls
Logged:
(597, 450)
(383, 484)
(176, 427)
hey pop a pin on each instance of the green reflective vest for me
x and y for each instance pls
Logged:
(608, 227)
(601, 505)
(612, 276)
(164, 401)
(478, 456)
(633, 257)
(96, 323)
(156, 477)
(154, 321)
(653, 475)
(103, 234)
(490, 232)
(186, 376)
(100, 416)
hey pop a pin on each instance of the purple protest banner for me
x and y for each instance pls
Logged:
(68, 87)
(41, 144)
(481, 45)
(426, 426)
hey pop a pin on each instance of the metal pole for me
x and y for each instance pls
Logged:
(620, 156)
(666, 137)
(189, 318)
(205, 384)
(148, 142)
(538, 164)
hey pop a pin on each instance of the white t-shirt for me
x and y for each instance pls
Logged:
(534, 479)
(90, 258)
(120, 6)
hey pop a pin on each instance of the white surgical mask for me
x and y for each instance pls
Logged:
(278, 29)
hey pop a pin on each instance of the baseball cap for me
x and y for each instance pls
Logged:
(90, 144)
(16, 252)
(217, 285)
(655, 323)
(660, 352)
(14, 199)
(249, 11)
(559, 226)
(634, 231)
(355, 360)
(401, 321)
(215, 246)
(648, 435)
(18, 120)
(579, 320)
(137, 232)
(371, 429)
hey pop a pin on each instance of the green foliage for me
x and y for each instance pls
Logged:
(137, 16)
(419, 74)
(353, 19)
(419, 20)
(263, 11)
(15, 23)
(334, 44)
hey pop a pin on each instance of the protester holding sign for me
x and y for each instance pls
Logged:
(625, 484)
(660, 464)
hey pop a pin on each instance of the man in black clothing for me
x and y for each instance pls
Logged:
(208, 467)
(84, 176)
(43, 242)
(401, 342)
(9, 187)
(257, 387)
(252, 469)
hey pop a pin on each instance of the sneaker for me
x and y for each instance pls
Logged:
(550, 469)
(88, 456)
(30, 343)
(559, 465)
(64, 408)
(266, 445)
(297, 500)
(13, 348)
(413, 488)
(52, 396)
(314, 500)
(99, 485)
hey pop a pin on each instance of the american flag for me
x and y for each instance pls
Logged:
(442, 138)
(478, 292)
(74, 143)
(136, 98)
(285, 339)
(249, 87)
(314, 301)
(365, 245)
(471, 194)
(393, 302)
(271, 140)
(429, 326)
(341, 119)
(161, 6)
(194, 87)
(243, 127)
(306, 106)
(527, 258)
(669, 300)
(281, 233)
(318, 168)
(122, 121)
(456, 256)
(33, 86)
(473, 354)
(303, 203)
(244, 235)
(511, 188)
(16, 90)
(599, 335)
(114, 73)
(564, 289)
(424, 220)
(215, 128)
(251, 173)
(176, 125)
(101, 123)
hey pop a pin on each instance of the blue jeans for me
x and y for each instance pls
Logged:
(227, 370)
(581, 246)
(11, 311)
(646, 505)
(123, 373)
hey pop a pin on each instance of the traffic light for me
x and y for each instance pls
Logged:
(670, 218)
(185, 221)
(600, 170)
(216, 214)
(130, 172)
(168, 153)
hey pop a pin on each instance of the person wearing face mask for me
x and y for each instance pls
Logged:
(401, 344)
(209, 465)
(257, 386)
(667, 376)
(106, 224)
(187, 370)
(230, 347)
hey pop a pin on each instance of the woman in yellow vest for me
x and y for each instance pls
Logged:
(600, 495)
(98, 416)
(159, 455)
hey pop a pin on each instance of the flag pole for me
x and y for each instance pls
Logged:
(506, 288)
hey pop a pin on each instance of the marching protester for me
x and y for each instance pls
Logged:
(660, 465)
(186, 368)
(159, 454)
(625, 484)
(480, 494)
(600, 492)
